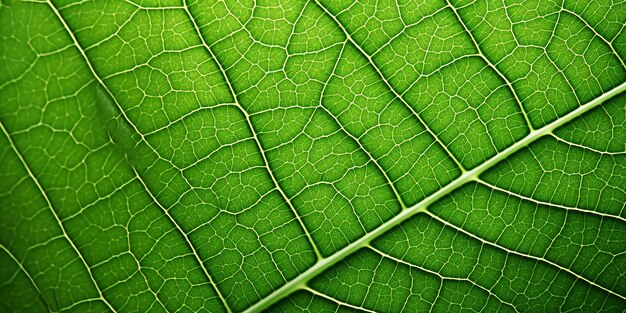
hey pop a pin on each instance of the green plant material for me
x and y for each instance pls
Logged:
(322, 156)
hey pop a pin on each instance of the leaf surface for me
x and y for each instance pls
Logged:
(371, 156)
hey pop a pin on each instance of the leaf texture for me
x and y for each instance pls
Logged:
(319, 156)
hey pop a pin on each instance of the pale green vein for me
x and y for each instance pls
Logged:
(97, 77)
(300, 281)
(355, 139)
(393, 90)
(528, 256)
(440, 276)
(56, 217)
(567, 208)
(595, 32)
(254, 134)
(340, 303)
(491, 65)
(182, 233)
(569, 143)
(30, 278)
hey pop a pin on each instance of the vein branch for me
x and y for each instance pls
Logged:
(491, 65)
(301, 280)
(355, 139)
(388, 85)
(30, 278)
(441, 276)
(338, 302)
(560, 206)
(254, 133)
(125, 117)
(529, 256)
(56, 217)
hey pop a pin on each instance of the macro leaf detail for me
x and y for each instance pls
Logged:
(320, 156)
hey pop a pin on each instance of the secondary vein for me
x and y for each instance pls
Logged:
(254, 134)
(110, 94)
(301, 281)
(393, 90)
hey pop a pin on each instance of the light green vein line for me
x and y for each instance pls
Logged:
(56, 217)
(349, 134)
(529, 256)
(573, 144)
(555, 205)
(97, 77)
(491, 65)
(393, 90)
(340, 303)
(442, 277)
(595, 32)
(254, 134)
(300, 281)
(185, 237)
(30, 278)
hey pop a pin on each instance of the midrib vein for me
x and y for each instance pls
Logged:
(300, 282)
(472, 175)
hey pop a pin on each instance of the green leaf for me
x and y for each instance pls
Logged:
(376, 156)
